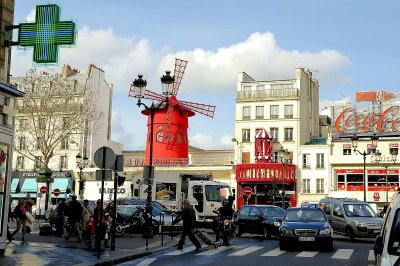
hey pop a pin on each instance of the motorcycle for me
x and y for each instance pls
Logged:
(135, 221)
(226, 229)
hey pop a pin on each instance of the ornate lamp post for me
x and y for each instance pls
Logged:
(81, 163)
(378, 159)
(284, 156)
(354, 144)
(139, 85)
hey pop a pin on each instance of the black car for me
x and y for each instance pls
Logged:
(258, 219)
(302, 227)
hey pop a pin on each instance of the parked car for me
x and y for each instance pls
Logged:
(352, 217)
(386, 246)
(302, 227)
(258, 219)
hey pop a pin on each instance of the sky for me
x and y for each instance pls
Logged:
(348, 45)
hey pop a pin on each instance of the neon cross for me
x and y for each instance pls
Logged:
(46, 34)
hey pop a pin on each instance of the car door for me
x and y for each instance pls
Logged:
(243, 218)
(337, 219)
(255, 223)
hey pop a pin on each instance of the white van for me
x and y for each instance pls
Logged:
(387, 243)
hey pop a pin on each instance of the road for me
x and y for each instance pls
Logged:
(251, 250)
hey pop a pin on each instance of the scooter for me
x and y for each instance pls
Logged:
(226, 229)
(135, 221)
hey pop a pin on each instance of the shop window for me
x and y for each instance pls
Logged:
(3, 177)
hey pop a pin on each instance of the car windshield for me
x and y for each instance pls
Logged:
(272, 211)
(161, 207)
(394, 236)
(304, 215)
(217, 192)
(359, 210)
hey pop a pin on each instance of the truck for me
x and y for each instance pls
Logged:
(171, 188)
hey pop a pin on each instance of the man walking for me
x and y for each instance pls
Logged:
(74, 213)
(189, 218)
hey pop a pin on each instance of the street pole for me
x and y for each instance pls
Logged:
(365, 175)
(386, 184)
(378, 159)
(114, 218)
(283, 184)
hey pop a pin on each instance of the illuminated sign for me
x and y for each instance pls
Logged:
(46, 34)
(157, 162)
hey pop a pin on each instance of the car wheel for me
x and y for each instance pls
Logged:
(350, 234)
(238, 231)
(119, 231)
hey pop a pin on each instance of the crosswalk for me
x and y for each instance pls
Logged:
(339, 254)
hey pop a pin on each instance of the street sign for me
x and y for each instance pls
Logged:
(107, 175)
(247, 191)
(56, 192)
(43, 189)
(104, 158)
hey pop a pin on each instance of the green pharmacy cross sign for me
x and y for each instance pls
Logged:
(46, 34)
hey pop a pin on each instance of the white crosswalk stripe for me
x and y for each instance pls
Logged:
(146, 262)
(214, 251)
(274, 253)
(371, 255)
(246, 251)
(343, 254)
(180, 252)
(151, 245)
(307, 254)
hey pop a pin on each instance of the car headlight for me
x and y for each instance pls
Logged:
(326, 231)
(286, 231)
(362, 225)
(277, 224)
(226, 222)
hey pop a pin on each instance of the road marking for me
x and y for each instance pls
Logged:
(146, 262)
(214, 251)
(371, 255)
(180, 252)
(307, 254)
(245, 251)
(342, 254)
(274, 253)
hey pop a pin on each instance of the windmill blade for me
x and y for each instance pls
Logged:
(180, 66)
(150, 95)
(204, 109)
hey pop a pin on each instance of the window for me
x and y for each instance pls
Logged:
(245, 211)
(274, 111)
(4, 119)
(346, 151)
(255, 212)
(289, 111)
(320, 185)
(42, 123)
(306, 186)
(260, 112)
(39, 143)
(20, 162)
(337, 210)
(159, 136)
(320, 160)
(246, 135)
(288, 134)
(63, 162)
(306, 160)
(22, 143)
(393, 151)
(23, 124)
(246, 88)
(65, 122)
(246, 113)
(38, 162)
(260, 87)
(64, 143)
(274, 133)
(275, 157)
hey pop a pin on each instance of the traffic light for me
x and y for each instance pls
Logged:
(120, 180)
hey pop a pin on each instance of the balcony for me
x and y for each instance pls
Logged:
(270, 94)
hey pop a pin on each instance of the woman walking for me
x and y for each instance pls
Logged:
(20, 214)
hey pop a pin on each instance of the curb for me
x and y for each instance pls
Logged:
(127, 257)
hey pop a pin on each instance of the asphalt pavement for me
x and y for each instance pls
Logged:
(47, 250)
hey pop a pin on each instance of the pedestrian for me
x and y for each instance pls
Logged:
(188, 217)
(11, 211)
(85, 213)
(99, 226)
(89, 232)
(21, 219)
(60, 217)
(74, 213)
(107, 225)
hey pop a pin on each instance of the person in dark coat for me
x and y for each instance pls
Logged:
(21, 219)
(99, 226)
(61, 211)
(188, 216)
(74, 213)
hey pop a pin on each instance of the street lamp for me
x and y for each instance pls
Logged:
(354, 144)
(81, 163)
(284, 156)
(378, 159)
(139, 86)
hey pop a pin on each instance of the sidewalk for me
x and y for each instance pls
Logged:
(50, 250)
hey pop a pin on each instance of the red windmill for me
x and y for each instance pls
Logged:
(170, 138)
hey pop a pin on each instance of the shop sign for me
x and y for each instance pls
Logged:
(351, 120)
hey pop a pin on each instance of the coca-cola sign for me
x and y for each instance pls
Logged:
(351, 120)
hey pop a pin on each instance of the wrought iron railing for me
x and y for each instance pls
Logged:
(267, 94)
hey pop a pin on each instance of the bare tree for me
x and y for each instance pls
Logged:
(53, 110)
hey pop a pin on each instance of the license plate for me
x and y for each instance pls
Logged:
(306, 238)
(376, 231)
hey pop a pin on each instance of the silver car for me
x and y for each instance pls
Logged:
(352, 218)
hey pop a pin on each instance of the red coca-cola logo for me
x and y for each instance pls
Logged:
(350, 120)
